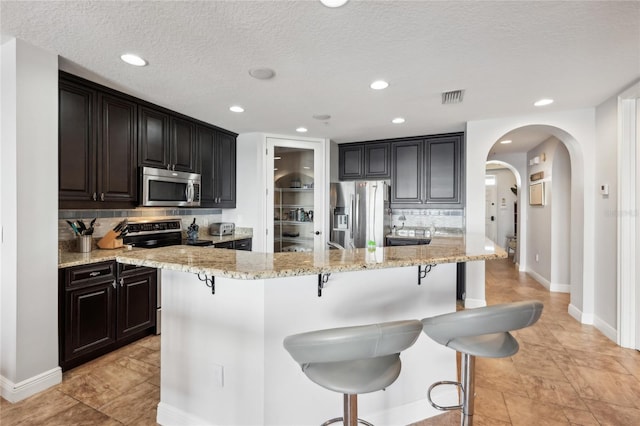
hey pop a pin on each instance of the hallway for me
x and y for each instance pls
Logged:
(565, 373)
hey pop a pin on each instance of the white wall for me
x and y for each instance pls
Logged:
(605, 210)
(250, 192)
(548, 226)
(561, 220)
(30, 232)
(577, 130)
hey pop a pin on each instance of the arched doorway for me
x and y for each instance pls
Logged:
(545, 200)
(575, 130)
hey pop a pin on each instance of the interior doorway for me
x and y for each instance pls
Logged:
(503, 209)
(295, 176)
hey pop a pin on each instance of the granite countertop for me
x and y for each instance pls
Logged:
(256, 265)
(67, 257)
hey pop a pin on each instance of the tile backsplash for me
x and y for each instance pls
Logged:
(108, 219)
(446, 221)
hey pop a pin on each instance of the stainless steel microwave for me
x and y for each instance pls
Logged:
(162, 187)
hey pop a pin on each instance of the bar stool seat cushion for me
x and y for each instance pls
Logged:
(354, 360)
(483, 332)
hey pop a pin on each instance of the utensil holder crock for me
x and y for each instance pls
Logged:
(85, 243)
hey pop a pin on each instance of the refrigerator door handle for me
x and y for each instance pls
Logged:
(357, 214)
(353, 216)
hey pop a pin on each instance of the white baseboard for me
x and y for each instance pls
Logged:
(14, 392)
(579, 316)
(560, 288)
(542, 280)
(610, 332)
(474, 303)
(169, 415)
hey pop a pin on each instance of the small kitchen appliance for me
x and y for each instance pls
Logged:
(221, 228)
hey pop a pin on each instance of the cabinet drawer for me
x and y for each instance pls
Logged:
(125, 269)
(225, 245)
(90, 274)
(243, 244)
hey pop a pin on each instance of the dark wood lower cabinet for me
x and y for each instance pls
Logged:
(243, 244)
(102, 307)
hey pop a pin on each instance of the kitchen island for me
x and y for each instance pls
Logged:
(222, 359)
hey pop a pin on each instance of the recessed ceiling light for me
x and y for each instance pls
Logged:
(334, 3)
(236, 108)
(132, 59)
(306, 167)
(277, 158)
(398, 120)
(379, 85)
(301, 130)
(544, 102)
(506, 141)
(262, 73)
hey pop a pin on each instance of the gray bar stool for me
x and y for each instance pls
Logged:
(482, 332)
(353, 360)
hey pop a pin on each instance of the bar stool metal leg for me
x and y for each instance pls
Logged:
(350, 413)
(467, 367)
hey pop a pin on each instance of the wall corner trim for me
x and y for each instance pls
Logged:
(14, 392)
(470, 303)
(579, 316)
(170, 415)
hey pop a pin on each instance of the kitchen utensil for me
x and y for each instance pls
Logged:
(74, 227)
(82, 227)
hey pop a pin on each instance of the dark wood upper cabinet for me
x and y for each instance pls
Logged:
(217, 168)
(444, 171)
(377, 161)
(226, 167)
(117, 160)
(153, 138)
(351, 157)
(407, 172)
(105, 136)
(364, 160)
(97, 148)
(206, 142)
(76, 142)
(183, 145)
(428, 172)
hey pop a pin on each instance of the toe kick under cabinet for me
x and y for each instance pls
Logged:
(103, 306)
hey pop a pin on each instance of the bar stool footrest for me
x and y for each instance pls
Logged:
(445, 407)
(341, 419)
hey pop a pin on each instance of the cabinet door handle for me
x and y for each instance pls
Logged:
(102, 196)
(121, 282)
(94, 274)
(113, 284)
(173, 167)
(95, 196)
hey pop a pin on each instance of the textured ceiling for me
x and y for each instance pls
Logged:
(505, 55)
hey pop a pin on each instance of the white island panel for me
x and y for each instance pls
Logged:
(223, 362)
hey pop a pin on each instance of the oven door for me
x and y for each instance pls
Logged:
(169, 188)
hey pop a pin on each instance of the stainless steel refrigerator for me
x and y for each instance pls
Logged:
(360, 214)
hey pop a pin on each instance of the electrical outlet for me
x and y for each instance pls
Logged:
(537, 257)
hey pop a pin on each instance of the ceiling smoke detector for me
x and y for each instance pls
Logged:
(452, 97)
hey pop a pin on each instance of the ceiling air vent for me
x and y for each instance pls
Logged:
(453, 97)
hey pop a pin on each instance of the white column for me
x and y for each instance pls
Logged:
(29, 212)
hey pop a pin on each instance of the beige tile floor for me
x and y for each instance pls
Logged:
(565, 374)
